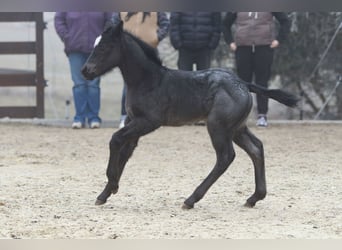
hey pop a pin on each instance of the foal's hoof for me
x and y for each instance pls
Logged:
(249, 205)
(187, 207)
(99, 202)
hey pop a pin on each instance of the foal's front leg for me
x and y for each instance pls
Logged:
(122, 146)
(114, 170)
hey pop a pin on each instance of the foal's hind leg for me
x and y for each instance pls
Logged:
(254, 148)
(225, 154)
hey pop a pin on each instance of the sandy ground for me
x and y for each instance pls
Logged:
(50, 177)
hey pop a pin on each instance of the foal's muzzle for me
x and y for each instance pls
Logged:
(89, 71)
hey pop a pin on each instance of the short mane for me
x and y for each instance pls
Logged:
(149, 51)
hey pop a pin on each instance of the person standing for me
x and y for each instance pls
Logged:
(195, 35)
(150, 27)
(253, 42)
(78, 31)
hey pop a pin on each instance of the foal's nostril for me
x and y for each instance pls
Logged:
(88, 72)
(91, 68)
(84, 70)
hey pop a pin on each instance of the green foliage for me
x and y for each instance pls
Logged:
(302, 62)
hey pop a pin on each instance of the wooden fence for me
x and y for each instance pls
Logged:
(18, 77)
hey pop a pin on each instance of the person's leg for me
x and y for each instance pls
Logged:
(262, 64)
(123, 100)
(93, 97)
(94, 103)
(203, 58)
(80, 90)
(185, 60)
(123, 107)
(244, 62)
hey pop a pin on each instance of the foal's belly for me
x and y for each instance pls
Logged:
(185, 115)
(181, 122)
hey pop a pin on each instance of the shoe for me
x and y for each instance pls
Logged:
(122, 124)
(262, 121)
(76, 125)
(122, 121)
(95, 125)
(200, 123)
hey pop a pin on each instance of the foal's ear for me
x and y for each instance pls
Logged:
(120, 25)
(118, 29)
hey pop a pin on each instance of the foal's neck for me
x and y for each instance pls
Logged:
(137, 67)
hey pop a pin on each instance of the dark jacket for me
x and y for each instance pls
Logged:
(78, 30)
(195, 30)
(255, 28)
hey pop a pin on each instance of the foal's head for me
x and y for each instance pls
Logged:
(106, 54)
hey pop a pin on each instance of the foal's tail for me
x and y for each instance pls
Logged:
(276, 94)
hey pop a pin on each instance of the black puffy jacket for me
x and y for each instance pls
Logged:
(195, 30)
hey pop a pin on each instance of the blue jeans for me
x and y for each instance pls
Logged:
(123, 100)
(86, 93)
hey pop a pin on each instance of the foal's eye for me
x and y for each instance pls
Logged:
(101, 49)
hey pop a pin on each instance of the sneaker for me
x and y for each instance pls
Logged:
(76, 125)
(122, 121)
(200, 123)
(122, 124)
(95, 125)
(262, 121)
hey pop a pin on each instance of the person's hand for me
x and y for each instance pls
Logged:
(232, 46)
(274, 44)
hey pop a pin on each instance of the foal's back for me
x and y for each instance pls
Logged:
(192, 95)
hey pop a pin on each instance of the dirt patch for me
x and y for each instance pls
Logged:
(51, 176)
